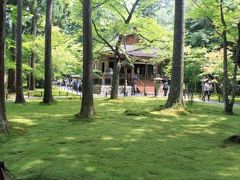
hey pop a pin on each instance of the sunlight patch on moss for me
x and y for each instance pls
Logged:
(113, 149)
(65, 156)
(32, 164)
(24, 121)
(139, 131)
(230, 171)
(103, 104)
(130, 140)
(90, 169)
(107, 138)
(70, 138)
(196, 125)
(118, 101)
(174, 136)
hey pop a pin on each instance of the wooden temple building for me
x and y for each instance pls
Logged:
(144, 68)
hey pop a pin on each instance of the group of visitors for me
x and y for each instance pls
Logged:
(75, 84)
(65, 82)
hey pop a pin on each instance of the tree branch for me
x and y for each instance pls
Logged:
(150, 41)
(125, 6)
(99, 4)
(102, 38)
(194, 2)
(119, 13)
(127, 21)
(99, 50)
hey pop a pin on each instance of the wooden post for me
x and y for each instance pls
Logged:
(144, 90)
(146, 70)
(156, 70)
(125, 81)
(132, 74)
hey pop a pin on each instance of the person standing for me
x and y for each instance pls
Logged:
(210, 87)
(207, 90)
(134, 84)
(165, 88)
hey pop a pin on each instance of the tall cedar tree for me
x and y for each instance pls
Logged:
(87, 108)
(176, 88)
(48, 97)
(31, 78)
(12, 72)
(3, 117)
(19, 87)
(228, 102)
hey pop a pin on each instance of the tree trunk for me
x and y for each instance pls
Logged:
(228, 107)
(12, 72)
(87, 108)
(116, 69)
(237, 60)
(19, 87)
(234, 83)
(3, 117)
(125, 81)
(48, 97)
(115, 79)
(31, 78)
(176, 85)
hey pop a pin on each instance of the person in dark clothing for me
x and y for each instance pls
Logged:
(165, 88)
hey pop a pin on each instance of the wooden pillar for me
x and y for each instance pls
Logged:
(125, 81)
(106, 66)
(146, 70)
(155, 70)
(103, 80)
(125, 73)
(132, 73)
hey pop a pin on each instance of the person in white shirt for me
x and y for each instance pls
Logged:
(207, 88)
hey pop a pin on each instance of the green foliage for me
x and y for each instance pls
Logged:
(205, 29)
(210, 9)
(66, 54)
(194, 61)
(201, 33)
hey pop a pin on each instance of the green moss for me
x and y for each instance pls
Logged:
(48, 142)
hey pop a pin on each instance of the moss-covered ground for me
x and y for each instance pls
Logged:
(128, 139)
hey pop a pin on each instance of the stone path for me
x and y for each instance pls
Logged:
(213, 102)
(70, 90)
